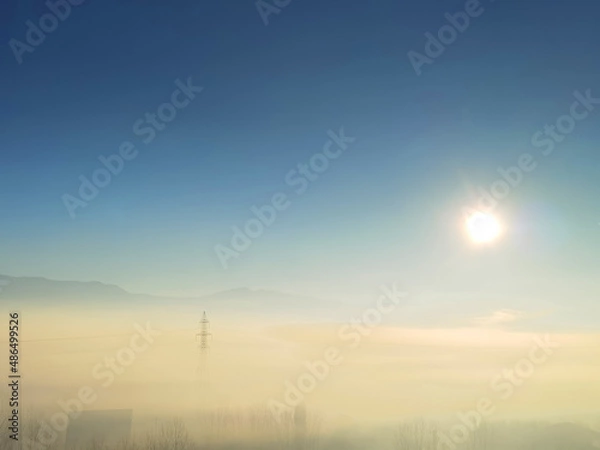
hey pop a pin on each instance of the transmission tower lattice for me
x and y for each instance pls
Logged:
(203, 340)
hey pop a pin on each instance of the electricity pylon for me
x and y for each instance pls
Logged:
(203, 340)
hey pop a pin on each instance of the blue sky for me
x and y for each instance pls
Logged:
(387, 210)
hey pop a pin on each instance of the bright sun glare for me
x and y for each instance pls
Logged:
(483, 227)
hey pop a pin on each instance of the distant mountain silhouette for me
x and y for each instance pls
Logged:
(264, 298)
(37, 288)
(37, 291)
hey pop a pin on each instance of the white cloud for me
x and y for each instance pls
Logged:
(500, 317)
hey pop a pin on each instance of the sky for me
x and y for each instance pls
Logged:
(388, 209)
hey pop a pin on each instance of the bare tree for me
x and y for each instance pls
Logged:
(171, 435)
(417, 434)
(479, 438)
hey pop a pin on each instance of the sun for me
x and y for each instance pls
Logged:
(483, 227)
